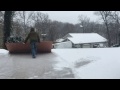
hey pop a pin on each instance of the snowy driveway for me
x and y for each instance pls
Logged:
(22, 66)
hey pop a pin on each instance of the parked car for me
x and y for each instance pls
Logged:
(116, 45)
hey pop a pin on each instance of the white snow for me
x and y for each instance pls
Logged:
(59, 40)
(3, 51)
(34, 77)
(78, 38)
(100, 63)
(6, 69)
(85, 63)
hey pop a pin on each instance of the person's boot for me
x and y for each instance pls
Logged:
(34, 57)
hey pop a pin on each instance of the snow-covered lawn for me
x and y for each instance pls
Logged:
(101, 63)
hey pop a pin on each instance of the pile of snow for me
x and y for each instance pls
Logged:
(93, 63)
(3, 51)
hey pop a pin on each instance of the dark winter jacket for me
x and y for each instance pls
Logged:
(32, 36)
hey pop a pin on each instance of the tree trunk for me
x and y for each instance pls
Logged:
(7, 26)
(119, 38)
(108, 34)
(118, 27)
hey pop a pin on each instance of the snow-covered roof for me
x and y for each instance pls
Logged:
(78, 38)
(59, 40)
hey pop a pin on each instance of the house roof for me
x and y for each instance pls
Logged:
(60, 40)
(78, 38)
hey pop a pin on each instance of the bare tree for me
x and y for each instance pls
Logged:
(53, 33)
(1, 27)
(58, 26)
(17, 29)
(42, 22)
(116, 20)
(84, 21)
(25, 19)
(105, 15)
(67, 28)
(1, 20)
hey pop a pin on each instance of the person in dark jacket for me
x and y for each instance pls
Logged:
(34, 38)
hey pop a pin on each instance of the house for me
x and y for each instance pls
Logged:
(85, 40)
(59, 40)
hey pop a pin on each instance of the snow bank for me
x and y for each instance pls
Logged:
(93, 63)
(106, 68)
(3, 51)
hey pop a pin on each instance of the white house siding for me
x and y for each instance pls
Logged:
(90, 45)
(66, 44)
(86, 46)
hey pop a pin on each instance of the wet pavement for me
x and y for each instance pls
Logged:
(23, 66)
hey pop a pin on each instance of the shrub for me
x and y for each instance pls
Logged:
(15, 39)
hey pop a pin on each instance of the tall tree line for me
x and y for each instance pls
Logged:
(111, 21)
(19, 23)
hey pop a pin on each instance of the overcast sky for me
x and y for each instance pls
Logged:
(70, 16)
